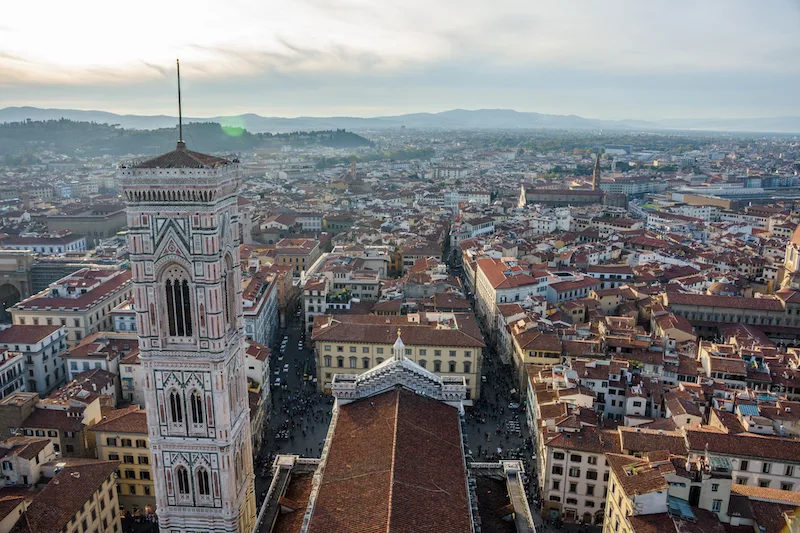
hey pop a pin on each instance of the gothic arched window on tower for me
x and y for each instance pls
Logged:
(238, 467)
(203, 483)
(229, 294)
(176, 407)
(179, 303)
(182, 478)
(196, 405)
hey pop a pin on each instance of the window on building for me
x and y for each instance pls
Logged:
(203, 485)
(715, 487)
(111, 441)
(176, 407)
(179, 308)
(743, 466)
(182, 476)
(327, 360)
(591, 474)
(556, 484)
(573, 488)
(423, 351)
(327, 347)
(558, 456)
(128, 459)
(423, 363)
(451, 365)
(141, 443)
(340, 348)
(352, 349)
(467, 353)
(437, 353)
(144, 459)
(787, 486)
(340, 362)
(575, 458)
(353, 362)
(590, 490)
(716, 506)
(764, 483)
(789, 471)
(437, 366)
(379, 360)
(365, 362)
(766, 468)
(379, 350)
(558, 470)
(365, 349)
(196, 405)
(592, 460)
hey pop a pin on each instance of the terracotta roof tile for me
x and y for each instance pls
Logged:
(396, 465)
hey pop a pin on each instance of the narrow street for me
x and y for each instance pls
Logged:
(300, 415)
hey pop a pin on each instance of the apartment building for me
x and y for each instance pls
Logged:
(102, 350)
(260, 304)
(12, 374)
(300, 254)
(756, 460)
(122, 437)
(448, 344)
(80, 497)
(41, 347)
(497, 282)
(81, 302)
(22, 460)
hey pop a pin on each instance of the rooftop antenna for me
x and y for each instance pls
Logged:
(181, 144)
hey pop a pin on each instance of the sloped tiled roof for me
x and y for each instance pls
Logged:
(395, 465)
(183, 158)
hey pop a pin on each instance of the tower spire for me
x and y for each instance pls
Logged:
(181, 144)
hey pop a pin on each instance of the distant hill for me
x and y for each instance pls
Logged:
(92, 138)
(453, 119)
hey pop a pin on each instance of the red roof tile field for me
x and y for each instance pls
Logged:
(395, 465)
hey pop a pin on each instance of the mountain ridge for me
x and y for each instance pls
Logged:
(450, 119)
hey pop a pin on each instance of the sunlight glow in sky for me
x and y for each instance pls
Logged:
(609, 59)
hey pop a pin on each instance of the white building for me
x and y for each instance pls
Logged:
(184, 243)
(41, 346)
(12, 374)
(260, 303)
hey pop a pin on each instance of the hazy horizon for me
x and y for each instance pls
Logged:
(614, 60)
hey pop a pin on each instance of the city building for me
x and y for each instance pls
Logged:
(64, 242)
(81, 496)
(260, 301)
(184, 246)
(42, 347)
(22, 460)
(300, 254)
(447, 344)
(122, 437)
(12, 373)
(81, 302)
(96, 222)
(102, 350)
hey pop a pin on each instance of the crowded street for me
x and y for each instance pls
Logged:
(300, 415)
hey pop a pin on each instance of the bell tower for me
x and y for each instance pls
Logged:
(184, 253)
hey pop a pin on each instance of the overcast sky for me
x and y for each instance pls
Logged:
(601, 59)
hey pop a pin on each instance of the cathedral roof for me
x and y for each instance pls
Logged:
(183, 158)
(394, 463)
